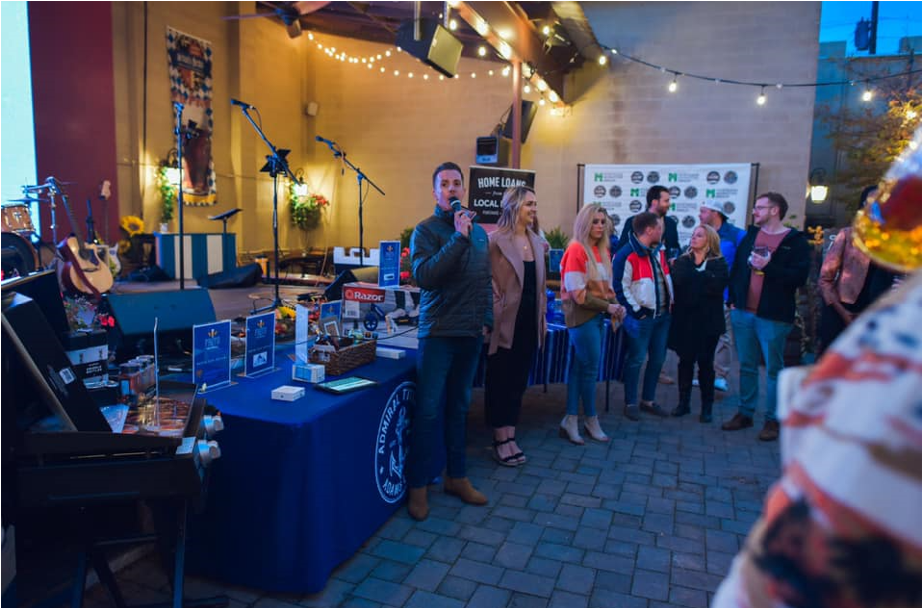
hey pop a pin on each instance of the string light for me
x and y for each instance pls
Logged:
(546, 30)
(868, 94)
(553, 97)
(527, 89)
(490, 73)
(482, 51)
(761, 98)
(541, 101)
(674, 85)
(453, 24)
(603, 59)
(506, 72)
(542, 86)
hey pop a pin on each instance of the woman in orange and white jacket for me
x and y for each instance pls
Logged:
(587, 295)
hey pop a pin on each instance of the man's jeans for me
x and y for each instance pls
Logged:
(646, 339)
(444, 366)
(755, 337)
(586, 340)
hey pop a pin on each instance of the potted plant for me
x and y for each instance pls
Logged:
(306, 208)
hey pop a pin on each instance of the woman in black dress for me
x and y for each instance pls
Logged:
(698, 277)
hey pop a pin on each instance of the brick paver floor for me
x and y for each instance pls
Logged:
(651, 519)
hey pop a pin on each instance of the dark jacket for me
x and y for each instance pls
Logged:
(699, 304)
(670, 236)
(453, 273)
(784, 274)
(730, 237)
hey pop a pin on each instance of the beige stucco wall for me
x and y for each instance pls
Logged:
(397, 129)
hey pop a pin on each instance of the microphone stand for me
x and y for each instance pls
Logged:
(276, 164)
(180, 136)
(360, 177)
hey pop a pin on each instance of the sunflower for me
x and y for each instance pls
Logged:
(132, 224)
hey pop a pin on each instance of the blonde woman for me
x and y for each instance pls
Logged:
(519, 325)
(587, 295)
(699, 277)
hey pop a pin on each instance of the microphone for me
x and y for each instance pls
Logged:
(242, 104)
(326, 141)
(455, 204)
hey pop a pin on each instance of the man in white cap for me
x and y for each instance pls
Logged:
(712, 214)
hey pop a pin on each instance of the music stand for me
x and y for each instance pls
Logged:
(224, 217)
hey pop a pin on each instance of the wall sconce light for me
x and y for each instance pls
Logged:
(170, 167)
(818, 188)
(300, 188)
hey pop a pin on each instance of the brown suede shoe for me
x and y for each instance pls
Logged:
(770, 431)
(737, 422)
(463, 489)
(418, 504)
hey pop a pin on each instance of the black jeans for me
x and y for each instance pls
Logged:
(507, 379)
(703, 355)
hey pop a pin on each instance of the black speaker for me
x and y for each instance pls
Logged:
(366, 274)
(529, 110)
(437, 47)
(242, 276)
(176, 312)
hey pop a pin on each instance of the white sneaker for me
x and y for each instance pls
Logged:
(721, 385)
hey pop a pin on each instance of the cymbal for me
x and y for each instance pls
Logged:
(27, 199)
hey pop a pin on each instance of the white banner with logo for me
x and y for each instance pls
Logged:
(622, 190)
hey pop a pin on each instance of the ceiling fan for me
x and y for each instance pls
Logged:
(288, 12)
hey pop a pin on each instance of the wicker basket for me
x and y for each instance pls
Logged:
(346, 359)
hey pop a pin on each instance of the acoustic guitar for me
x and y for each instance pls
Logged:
(86, 268)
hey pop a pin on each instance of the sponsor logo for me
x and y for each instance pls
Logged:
(653, 177)
(729, 208)
(708, 193)
(688, 221)
(635, 206)
(391, 443)
(672, 177)
(599, 191)
(675, 192)
(637, 191)
(691, 192)
(713, 177)
(615, 191)
(598, 177)
(615, 219)
(361, 294)
(637, 177)
(730, 177)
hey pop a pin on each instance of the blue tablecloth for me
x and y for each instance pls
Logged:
(296, 490)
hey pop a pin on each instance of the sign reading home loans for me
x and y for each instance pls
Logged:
(622, 190)
(487, 185)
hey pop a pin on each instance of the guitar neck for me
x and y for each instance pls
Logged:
(73, 223)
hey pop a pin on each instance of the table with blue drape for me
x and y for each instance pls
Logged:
(294, 493)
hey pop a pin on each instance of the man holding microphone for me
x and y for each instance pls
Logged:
(451, 265)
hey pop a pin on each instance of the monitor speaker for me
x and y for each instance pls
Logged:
(366, 274)
(437, 47)
(176, 312)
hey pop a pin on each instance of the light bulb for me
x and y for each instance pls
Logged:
(527, 89)
(761, 99)
(546, 30)
(453, 24)
(673, 86)
(482, 51)
(868, 94)
(603, 59)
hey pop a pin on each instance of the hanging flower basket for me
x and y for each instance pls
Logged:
(307, 210)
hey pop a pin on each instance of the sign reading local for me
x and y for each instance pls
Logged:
(487, 185)
(211, 355)
(260, 343)
(622, 190)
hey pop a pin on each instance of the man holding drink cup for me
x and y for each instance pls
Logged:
(772, 261)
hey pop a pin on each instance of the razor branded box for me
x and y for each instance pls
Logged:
(386, 311)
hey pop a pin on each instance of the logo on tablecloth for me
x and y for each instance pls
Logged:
(391, 443)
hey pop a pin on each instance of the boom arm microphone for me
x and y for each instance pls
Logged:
(244, 105)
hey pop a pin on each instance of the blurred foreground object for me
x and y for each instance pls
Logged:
(889, 228)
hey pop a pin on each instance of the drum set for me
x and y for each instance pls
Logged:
(23, 250)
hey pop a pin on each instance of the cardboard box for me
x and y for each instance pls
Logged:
(385, 311)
